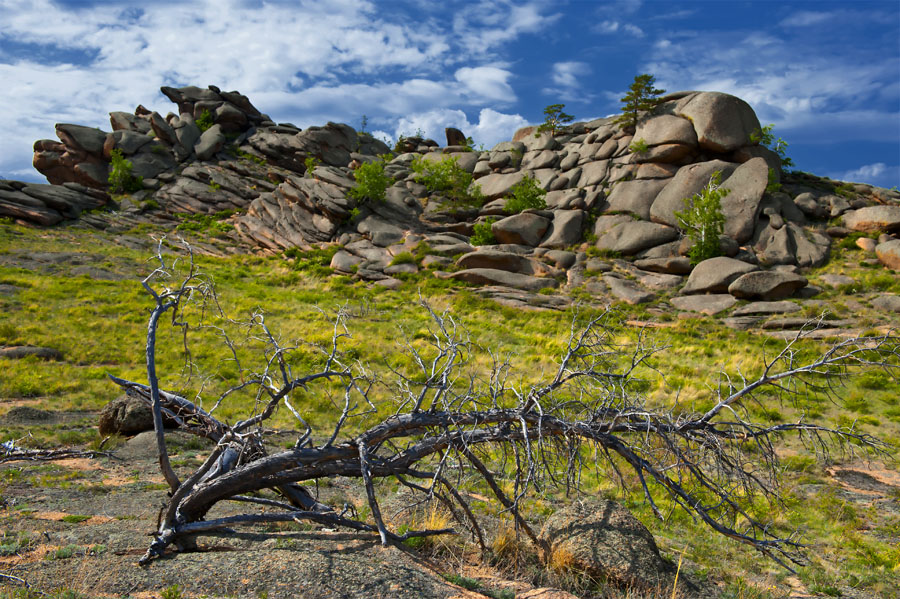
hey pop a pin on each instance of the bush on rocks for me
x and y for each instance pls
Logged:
(482, 233)
(703, 220)
(371, 182)
(121, 179)
(448, 178)
(526, 195)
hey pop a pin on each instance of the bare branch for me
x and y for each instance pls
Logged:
(447, 416)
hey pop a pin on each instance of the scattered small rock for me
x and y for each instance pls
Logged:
(125, 416)
(837, 280)
(26, 415)
(866, 244)
(705, 304)
(17, 352)
(783, 307)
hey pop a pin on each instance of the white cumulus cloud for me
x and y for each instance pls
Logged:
(304, 62)
(811, 91)
(805, 18)
(569, 74)
(568, 79)
(878, 173)
(610, 26)
(491, 128)
(486, 83)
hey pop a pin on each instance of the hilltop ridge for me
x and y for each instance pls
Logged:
(610, 193)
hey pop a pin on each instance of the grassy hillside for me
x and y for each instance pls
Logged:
(77, 290)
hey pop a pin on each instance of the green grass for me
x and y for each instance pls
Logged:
(75, 518)
(63, 552)
(474, 585)
(108, 318)
(210, 223)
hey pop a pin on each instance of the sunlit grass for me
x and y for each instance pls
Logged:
(100, 327)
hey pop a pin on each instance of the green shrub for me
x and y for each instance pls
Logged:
(371, 182)
(849, 242)
(205, 121)
(403, 258)
(554, 118)
(845, 190)
(311, 163)
(482, 233)
(639, 146)
(236, 151)
(63, 552)
(772, 186)
(211, 223)
(172, 592)
(703, 220)
(446, 177)
(316, 262)
(526, 195)
(466, 583)
(121, 180)
(765, 137)
(399, 145)
(75, 518)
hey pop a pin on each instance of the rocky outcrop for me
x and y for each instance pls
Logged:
(219, 155)
(153, 144)
(47, 205)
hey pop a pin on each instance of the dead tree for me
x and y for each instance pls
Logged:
(444, 426)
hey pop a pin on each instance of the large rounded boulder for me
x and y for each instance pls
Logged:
(715, 275)
(603, 540)
(689, 180)
(723, 122)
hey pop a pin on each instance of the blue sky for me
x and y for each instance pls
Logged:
(826, 74)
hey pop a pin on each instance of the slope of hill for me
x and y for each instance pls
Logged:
(268, 210)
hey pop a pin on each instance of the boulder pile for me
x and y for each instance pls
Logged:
(609, 225)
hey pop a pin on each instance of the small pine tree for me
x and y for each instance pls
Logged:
(641, 97)
(554, 118)
(703, 221)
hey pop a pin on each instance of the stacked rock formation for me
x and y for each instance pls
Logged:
(611, 193)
